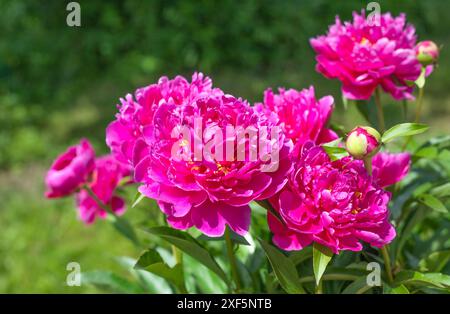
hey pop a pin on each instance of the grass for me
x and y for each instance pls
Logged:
(40, 237)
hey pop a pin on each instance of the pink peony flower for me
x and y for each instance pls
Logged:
(389, 169)
(334, 203)
(364, 56)
(136, 115)
(301, 115)
(106, 176)
(204, 191)
(70, 170)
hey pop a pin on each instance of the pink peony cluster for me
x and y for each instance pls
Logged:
(365, 54)
(204, 155)
(334, 203)
(76, 169)
(208, 192)
(302, 116)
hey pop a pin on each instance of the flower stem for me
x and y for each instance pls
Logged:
(232, 259)
(418, 114)
(319, 287)
(99, 201)
(387, 263)
(379, 110)
(419, 104)
(368, 165)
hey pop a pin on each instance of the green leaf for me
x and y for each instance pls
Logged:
(437, 280)
(357, 287)
(148, 281)
(190, 246)
(298, 257)
(396, 290)
(321, 257)
(283, 268)
(420, 82)
(435, 262)
(433, 203)
(152, 262)
(335, 153)
(200, 279)
(333, 143)
(109, 281)
(345, 102)
(427, 152)
(124, 227)
(441, 190)
(137, 199)
(236, 238)
(404, 129)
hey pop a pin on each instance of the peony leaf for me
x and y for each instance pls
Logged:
(137, 199)
(283, 268)
(109, 281)
(124, 227)
(190, 246)
(152, 262)
(420, 82)
(437, 280)
(404, 129)
(321, 257)
(433, 203)
(335, 153)
(401, 289)
(435, 262)
(357, 287)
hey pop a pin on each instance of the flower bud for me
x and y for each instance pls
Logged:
(427, 52)
(363, 142)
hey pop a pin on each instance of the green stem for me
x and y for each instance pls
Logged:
(418, 114)
(319, 287)
(99, 201)
(379, 110)
(232, 260)
(419, 104)
(387, 263)
(368, 165)
(119, 223)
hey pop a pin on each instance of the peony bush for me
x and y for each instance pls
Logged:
(272, 197)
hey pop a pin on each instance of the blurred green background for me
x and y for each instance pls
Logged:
(60, 83)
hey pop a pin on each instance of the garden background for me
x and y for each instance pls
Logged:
(60, 83)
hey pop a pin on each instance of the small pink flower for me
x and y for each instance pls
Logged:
(70, 170)
(106, 177)
(334, 203)
(389, 169)
(301, 115)
(363, 56)
(363, 142)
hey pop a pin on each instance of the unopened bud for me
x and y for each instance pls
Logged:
(363, 142)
